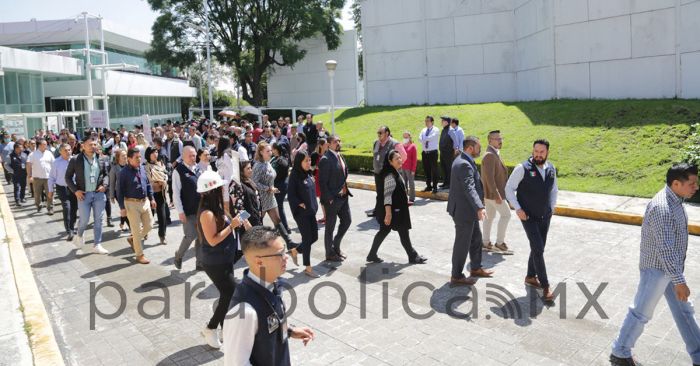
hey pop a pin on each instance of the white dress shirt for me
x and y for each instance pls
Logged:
(240, 329)
(430, 139)
(517, 176)
(177, 187)
(41, 163)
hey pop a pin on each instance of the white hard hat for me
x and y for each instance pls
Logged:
(209, 180)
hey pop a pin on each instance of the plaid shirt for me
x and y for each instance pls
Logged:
(665, 235)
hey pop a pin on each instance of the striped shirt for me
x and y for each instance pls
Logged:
(665, 235)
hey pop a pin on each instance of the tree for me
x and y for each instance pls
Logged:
(247, 35)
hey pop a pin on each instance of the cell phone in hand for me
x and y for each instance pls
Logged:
(244, 215)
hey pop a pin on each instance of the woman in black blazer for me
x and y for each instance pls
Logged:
(392, 210)
(251, 200)
(302, 201)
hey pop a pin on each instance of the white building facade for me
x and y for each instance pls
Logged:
(470, 51)
(129, 95)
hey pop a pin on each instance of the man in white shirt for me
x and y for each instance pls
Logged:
(38, 169)
(255, 329)
(430, 139)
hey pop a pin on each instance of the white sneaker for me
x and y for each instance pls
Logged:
(99, 249)
(78, 241)
(211, 336)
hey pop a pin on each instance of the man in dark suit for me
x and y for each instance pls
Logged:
(466, 206)
(332, 176)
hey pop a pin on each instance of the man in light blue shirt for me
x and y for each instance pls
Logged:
(457, 135)
(57, 183)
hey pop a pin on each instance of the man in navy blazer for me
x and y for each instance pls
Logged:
(466, 206)
(332, 176)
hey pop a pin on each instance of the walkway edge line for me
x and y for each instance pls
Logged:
(581, 213)
(42, 340)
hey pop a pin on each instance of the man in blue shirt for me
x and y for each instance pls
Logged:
(57, 178)
(661, 265)
(457, 135)
(134, 194)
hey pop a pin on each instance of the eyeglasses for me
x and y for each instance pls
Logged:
(280, 254)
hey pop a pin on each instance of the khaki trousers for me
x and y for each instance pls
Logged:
(140, 219)
(504, 212)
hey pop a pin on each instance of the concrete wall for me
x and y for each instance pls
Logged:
(466, 51)
(307, 84)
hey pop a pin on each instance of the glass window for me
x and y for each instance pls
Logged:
(2, 90)
(11, 89)
(37, 90)
(25, 92)
(137, 106)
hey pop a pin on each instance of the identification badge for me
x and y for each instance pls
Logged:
(272, 323)
(24, 166)
(93, 180)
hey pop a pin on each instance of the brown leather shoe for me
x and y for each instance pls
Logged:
(463, 281)
(481, 273)
(533, 282)
(547, 295)
(341, 254)
(142, 259)
(334, 258)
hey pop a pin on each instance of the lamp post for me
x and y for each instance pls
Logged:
(330, 66)
(211, 96)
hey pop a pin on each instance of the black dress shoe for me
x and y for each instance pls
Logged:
(374, 260)
(418, 259)
(341, 254)
(69, 237)
(334, 258)
(618, 361)
(178, 263)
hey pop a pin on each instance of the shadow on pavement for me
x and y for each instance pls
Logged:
(446, 300)
(183, 356)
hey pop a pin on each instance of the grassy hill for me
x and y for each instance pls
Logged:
(618, 147)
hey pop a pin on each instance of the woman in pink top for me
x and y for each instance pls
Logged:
(408, 170)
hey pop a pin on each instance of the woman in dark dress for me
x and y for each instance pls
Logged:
(392, 210)
(251, 200)
(302, 202)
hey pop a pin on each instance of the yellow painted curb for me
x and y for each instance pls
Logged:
(581, 213)
(42, 340)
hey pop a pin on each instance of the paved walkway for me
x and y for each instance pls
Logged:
(511, 326)
(592, 201)
(13, 338)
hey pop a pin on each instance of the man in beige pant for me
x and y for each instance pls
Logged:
(494, 176)
(134, 193)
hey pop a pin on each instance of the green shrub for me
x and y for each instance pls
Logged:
(363, 164)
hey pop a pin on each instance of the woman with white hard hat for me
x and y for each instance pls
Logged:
(217, 233)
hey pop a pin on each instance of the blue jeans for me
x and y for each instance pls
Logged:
(652, 284)
(96, 202)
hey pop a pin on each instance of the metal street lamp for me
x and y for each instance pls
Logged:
(207, 31)
(330, 66)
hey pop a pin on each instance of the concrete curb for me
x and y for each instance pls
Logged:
(581, 213)
(42, 340)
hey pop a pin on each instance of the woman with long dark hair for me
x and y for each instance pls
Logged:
(392, 210)
(217, 233)
(302, 202)
(316, 156)
(281, 166)
(158, 176)
(251, 200)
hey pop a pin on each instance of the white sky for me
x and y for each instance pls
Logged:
(132, 18)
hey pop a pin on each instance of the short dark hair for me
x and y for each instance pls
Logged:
(680, 172)
(385, 129)
(541, 142)
(332, 138)
(258, 237)
(470, 141)
(455, 121)
(131, 152)
(491, 133)
(430, 118)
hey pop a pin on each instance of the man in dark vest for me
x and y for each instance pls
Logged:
(447, 152)
(532, 191)
(381, 148)
(186, 201)
(255, 329)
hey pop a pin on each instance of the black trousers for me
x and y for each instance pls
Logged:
(339, 209)
(279, 197)
(430, 167)
(309, 234)
(69, 206)
(536, 231)
(20, 186)
(8, 176)
(108, 209)
(446, 159)
(467, 241)
(161, 209)
(222, 277)
(403, 235)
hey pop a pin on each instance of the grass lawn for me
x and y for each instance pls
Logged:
(621, 147)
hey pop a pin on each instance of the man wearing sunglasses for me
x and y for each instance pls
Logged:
(255, 329)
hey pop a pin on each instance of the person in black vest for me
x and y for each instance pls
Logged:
(392, 210)
(532, 191)
(219, 239)
(311, 133)
(186, 201)
(447, 152)
(303, 204)
(255, 329)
